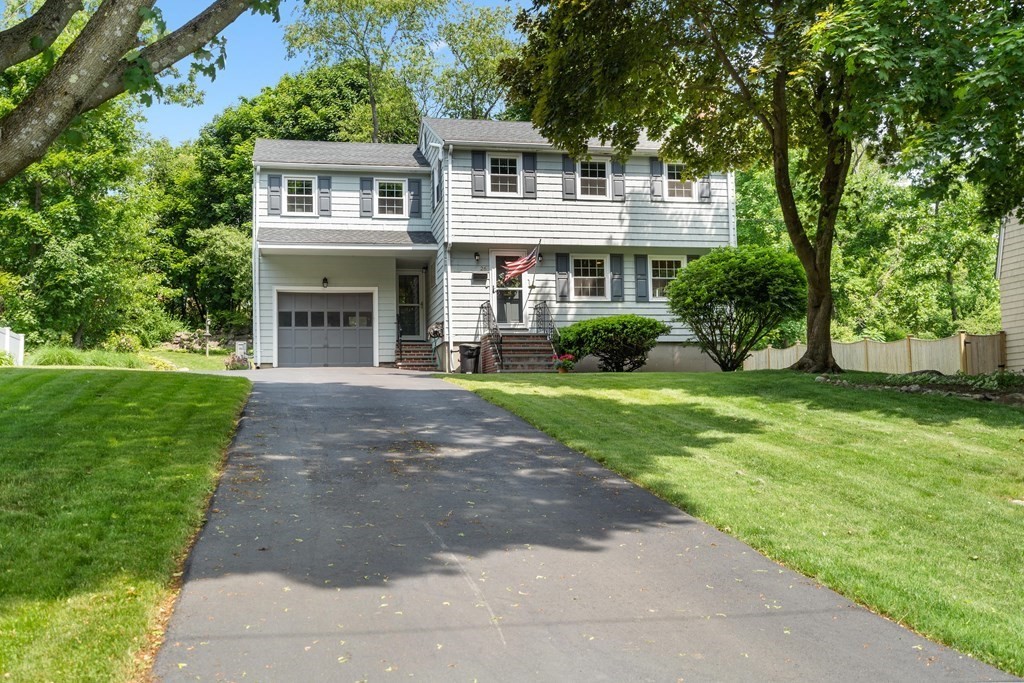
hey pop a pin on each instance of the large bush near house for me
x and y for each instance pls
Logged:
(734, 296)
(620, 342)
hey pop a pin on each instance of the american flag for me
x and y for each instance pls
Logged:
(521, 265)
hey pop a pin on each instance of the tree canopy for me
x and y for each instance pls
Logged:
(726, 85)
(101, 59)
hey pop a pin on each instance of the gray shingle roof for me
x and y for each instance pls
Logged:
(337, 153)
(506, 132)
(344, 236)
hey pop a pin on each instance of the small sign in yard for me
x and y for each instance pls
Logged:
(241, 349)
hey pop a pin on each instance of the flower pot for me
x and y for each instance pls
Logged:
(562, 371)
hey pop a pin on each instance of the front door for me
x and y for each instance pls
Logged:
(410, 305)
(508, 293)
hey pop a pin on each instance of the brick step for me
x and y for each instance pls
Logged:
(410, 356)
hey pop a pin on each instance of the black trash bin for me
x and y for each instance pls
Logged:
(469, 358)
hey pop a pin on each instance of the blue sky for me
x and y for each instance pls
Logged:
(256, 57)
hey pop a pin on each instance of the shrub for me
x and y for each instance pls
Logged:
(65, 355)
(734, 296)
(235, 362)
(158, 363)
(122, 342)
(620, 342)
(6, 359)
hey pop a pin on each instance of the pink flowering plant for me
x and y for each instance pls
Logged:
(565, 360)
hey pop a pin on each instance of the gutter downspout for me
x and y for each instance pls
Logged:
(256, 345)
(448, 256)
(731, 198)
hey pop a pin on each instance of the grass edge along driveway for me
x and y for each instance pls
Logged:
(902, 503)
(104, 479)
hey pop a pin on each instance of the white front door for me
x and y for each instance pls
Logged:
(410, 304)
(508, 293)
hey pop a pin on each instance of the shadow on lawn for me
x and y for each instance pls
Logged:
(788, 387)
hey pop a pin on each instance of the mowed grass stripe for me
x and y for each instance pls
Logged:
(103, 479)
(901, 502)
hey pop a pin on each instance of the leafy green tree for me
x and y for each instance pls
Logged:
(732, 297)
(902, 263)
(99, 59)
(725, 85)
(74, 245)
(379, 35)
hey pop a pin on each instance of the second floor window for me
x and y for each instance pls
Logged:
(594, 179)
(390, 198)
(663, 271)
(503, 172)
(678, 186)
(299, 195)
(589, 278)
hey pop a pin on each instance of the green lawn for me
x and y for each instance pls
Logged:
(190, 360)
(901, 502)
(104, 476)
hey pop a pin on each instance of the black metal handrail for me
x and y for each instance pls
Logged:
(487, 323)
(398, 332)
(544, 321)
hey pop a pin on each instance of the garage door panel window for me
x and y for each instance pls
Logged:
(301, 318)
(316, 318)
(333, 318)
(284, 318)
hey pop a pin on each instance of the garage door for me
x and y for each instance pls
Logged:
(324, 329)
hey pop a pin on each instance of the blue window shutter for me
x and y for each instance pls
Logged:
(562, 277)
(415, 193)
(439, 190)
(366, 197)
(617, 263)
(529, 175)
(273, 195)
(323, 184)
(479, 174)
(641, 278)
(657, 180)
(618, 181)
(568, 177)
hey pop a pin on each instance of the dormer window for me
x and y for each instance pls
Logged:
(299, 195)
(503, 175)
(593, 177)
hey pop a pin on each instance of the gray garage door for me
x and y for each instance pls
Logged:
(324, 329)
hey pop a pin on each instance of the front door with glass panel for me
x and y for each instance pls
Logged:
(508, 294)
(410, 305)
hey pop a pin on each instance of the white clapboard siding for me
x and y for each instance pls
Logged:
(282, 272)
(467, 297)
(638, 221)
(1011, 290)
(345, 204)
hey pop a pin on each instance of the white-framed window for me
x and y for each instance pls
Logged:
(299, 195)
(678, 185)
(504, 173)
(589, 277)
(594, 179)
(662, 270)
(390, 198)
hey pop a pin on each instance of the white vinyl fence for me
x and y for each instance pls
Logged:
(972, 354)
(13, 344)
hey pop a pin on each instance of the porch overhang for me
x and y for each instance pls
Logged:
(343, 242)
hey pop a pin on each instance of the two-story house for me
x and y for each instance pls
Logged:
(361, 249)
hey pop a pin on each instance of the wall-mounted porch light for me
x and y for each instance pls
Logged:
(476, 256)
(324, 282)
(540, 258)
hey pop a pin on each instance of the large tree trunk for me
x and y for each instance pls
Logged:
(818, 357)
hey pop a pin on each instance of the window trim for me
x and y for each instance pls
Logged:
(668, 194)
(405, 198)
(682, 258)
(607, 277)
(284, 195)
(519, 173)
(607, 178)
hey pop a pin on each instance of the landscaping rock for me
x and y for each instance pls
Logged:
(821, 378)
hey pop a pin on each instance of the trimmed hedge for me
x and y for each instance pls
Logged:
(620, 342)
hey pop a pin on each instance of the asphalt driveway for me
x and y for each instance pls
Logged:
(383, 525)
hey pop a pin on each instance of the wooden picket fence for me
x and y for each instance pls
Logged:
(971, 354)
